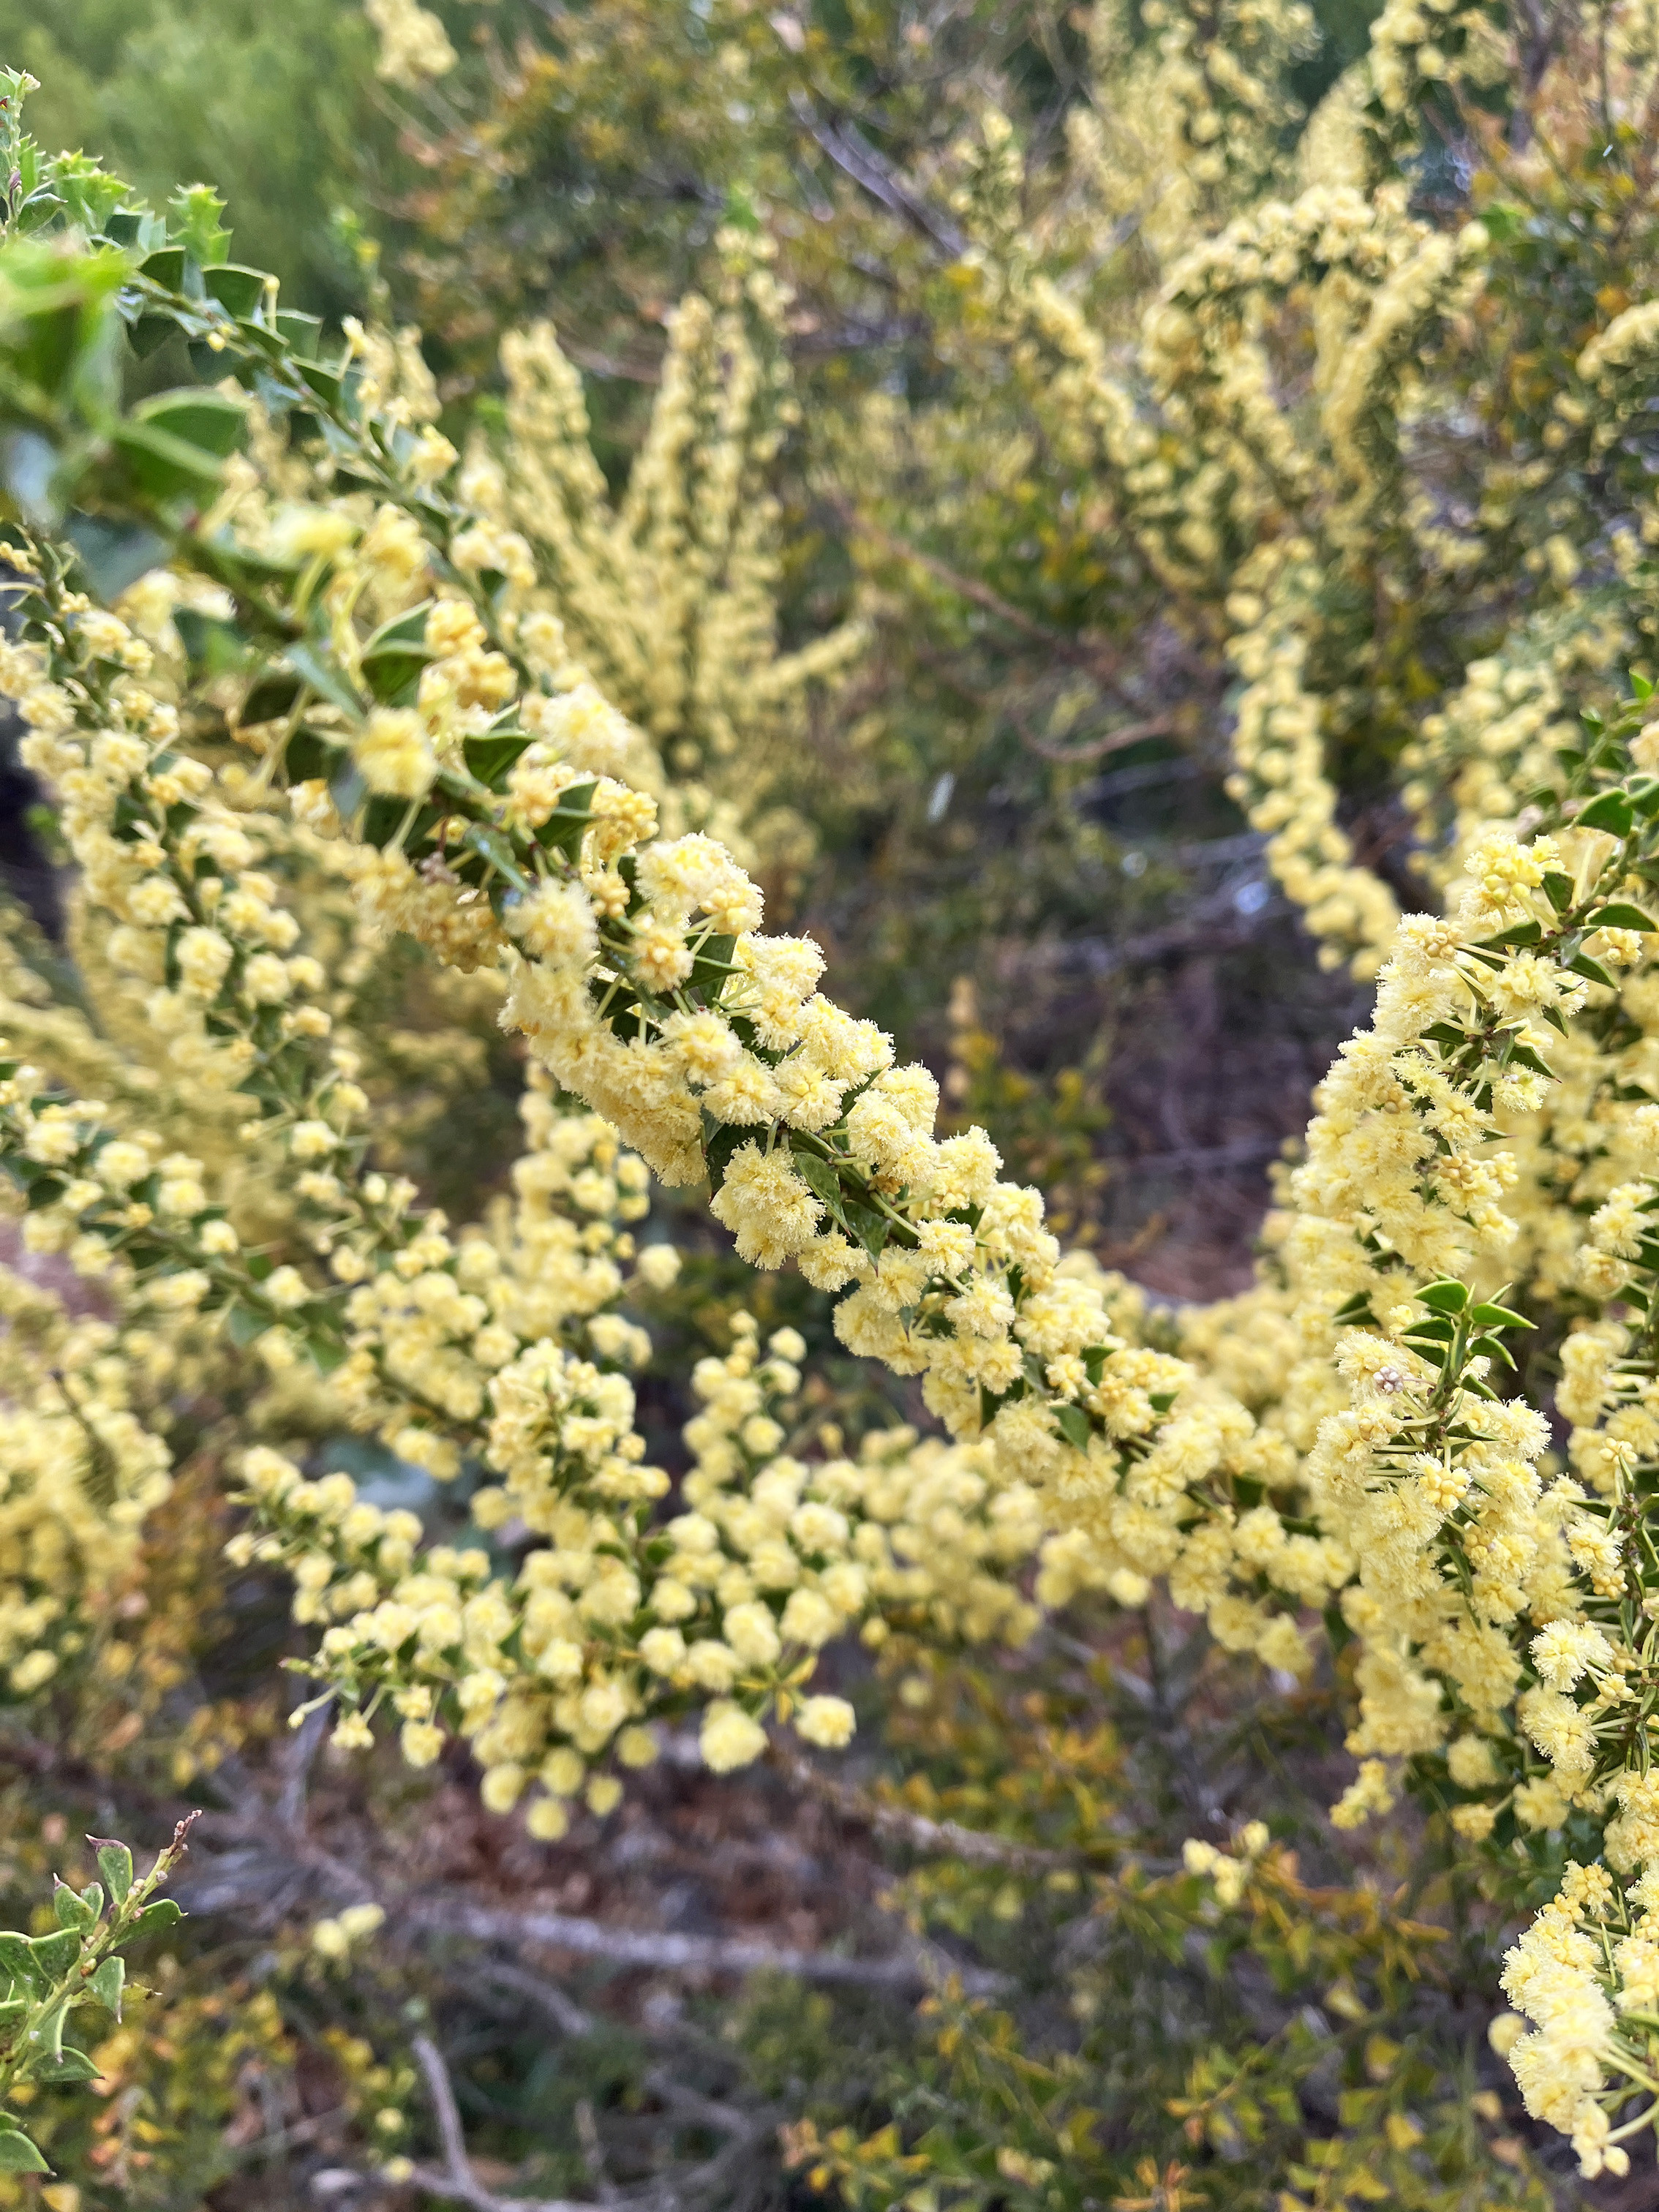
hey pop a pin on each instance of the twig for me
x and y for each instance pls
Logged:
(587, 2133)
(290, 1804)
(947, 1838)
(665, 1953)
(852, 152)
(458, 2178)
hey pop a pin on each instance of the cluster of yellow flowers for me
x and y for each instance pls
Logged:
(414, 46)
(80, 1467)
(1322, 530)
(1338, 1440)
(668, 598)
(613, 1619)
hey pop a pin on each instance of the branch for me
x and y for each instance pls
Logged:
(943, 1838)
(852, 153)
(458, 2178)
(664, 1952)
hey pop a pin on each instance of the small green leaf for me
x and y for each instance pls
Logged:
(208, 419)
(1557, 889)
(870, 1227)
(72, 1911)
(1073, 1425)
(238, 290)
(106, 1985)
(1493, 1347)
(1446, 1297)
(1488, 1314)
(57, 1952)
(310, 757)
(1611, 811)
(325, 679)
(70, 2065)
(394, 675)
(1592, 971)
(271, 696)
(19, 2155)
(489, 757)
(115, 1864)
(18, 1962)
(1621, 915)
(821, 1180)
(720, 1145)
(498, 851)
(162, 1913)
(242, 1325)
(166, 467)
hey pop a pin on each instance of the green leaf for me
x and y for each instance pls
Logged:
(57, 1952)
(822, 1180)
(238, 290)
(208, 419)
(215, 647)
(18, 1962)
(19, 2155)
(272, 695)
(73, 1912)
(489, 757)
(497, 849)
(1592, 971)
(163, 1913)
(1493, 1347)
(1621, 915)
(712, 965)
(300, 332)
(311, 757)
(115, 1864)
(393, 674)
(1520, 933)
(325, 679)
(165, 267)
(106, 1985)
(70, 2065)
(721, 1140)
(1611, 811)
(870, 1227)
(1446, 1297)
(49, 2033)
(1073, 1425)
(1488, 1314)
(242, 1325)
(563, 830)
(166, 468)
(1557, 889)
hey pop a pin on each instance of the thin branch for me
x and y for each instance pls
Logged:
(663, 1951)
(939, 1838)
(1114, 741)
(458, 2179)
(852, 154)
